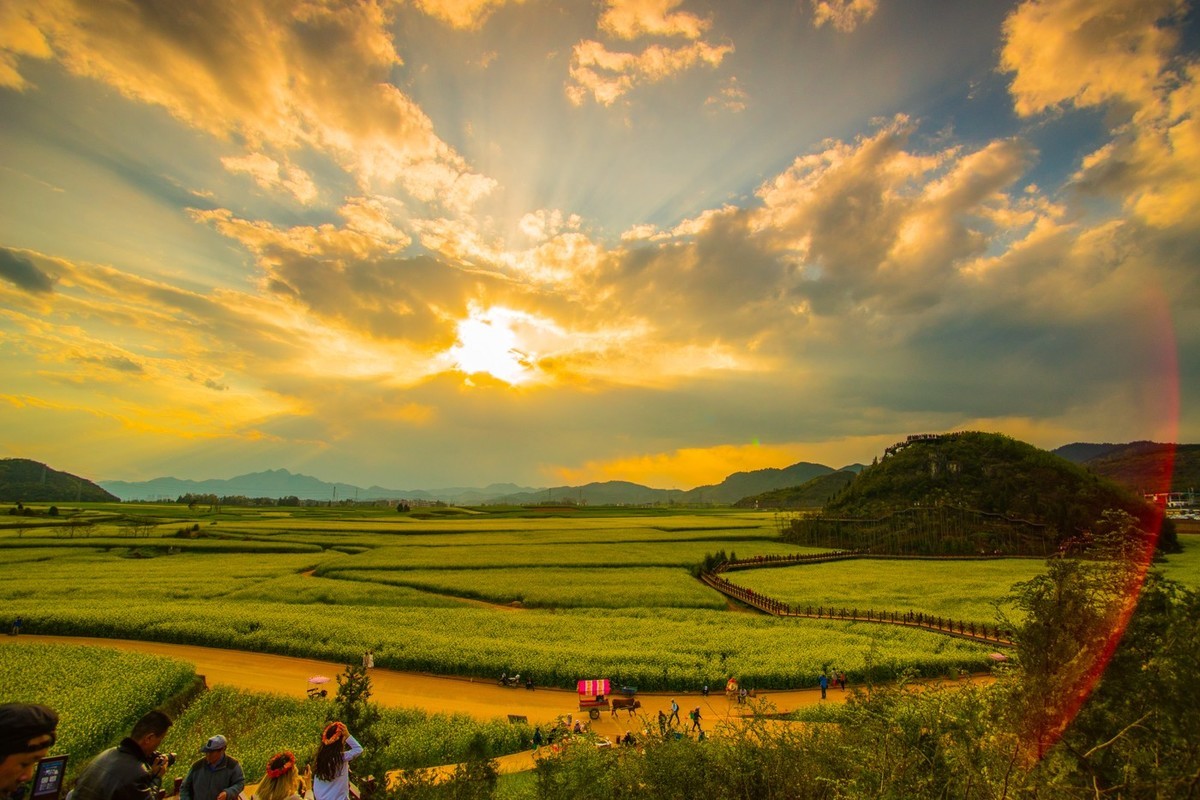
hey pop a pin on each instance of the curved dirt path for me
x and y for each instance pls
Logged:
(480, 699)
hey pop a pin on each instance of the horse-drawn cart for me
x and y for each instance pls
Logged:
(593, 696)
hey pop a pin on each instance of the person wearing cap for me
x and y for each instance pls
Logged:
(27, 732)
(133, 770)
(215, 776)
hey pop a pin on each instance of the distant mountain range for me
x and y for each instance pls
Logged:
(1141, 466)
(1137, 465)
(282, 483)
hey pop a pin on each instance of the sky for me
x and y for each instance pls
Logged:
(435, 243)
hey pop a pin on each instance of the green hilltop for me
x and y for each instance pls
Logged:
(993, 475)
(25, 481)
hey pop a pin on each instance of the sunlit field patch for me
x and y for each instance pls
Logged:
(960, 590)
(563, 587)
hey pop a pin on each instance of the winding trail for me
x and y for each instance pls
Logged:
(437, 694)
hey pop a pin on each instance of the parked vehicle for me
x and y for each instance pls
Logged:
(593, 696)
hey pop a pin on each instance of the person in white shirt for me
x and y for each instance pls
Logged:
(331, 778)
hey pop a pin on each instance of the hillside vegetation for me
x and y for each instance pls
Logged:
(995, 475)
(26, 481)
(1146, 466)
(814, 493)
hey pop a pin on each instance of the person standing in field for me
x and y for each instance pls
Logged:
(537, 739)
(133, 770)
(824, 683)
(282, 782)
(331, 778)
(215, 776)
(368, 660)
(671, 720)
(841, 680)
(27, 732)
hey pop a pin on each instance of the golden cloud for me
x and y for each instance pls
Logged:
(1121, 55)
(844, 15)
(464, 14)
(1087, 52)
(608, 75)
(279, 75)
(630, 19)
(270, 174)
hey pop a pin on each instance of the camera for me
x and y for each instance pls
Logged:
(170, 757)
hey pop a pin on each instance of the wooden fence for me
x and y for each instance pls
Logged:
(991, 634)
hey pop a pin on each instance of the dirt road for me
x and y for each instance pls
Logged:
(480, 699)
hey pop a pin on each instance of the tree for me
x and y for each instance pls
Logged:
(353, 707)
(137, 527)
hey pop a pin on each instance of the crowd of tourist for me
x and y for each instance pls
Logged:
(134, 768)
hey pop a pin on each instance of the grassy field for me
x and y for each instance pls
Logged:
(98, 693)
(962, 590)
(601, 591)
(1184, 567)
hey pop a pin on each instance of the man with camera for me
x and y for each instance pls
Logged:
(216, 776)
(133, 770)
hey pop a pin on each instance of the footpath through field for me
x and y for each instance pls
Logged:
(478, 698)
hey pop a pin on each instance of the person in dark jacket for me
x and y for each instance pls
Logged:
(133, 770)
(216, 776)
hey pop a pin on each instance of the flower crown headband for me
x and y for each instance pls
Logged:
(280, 764)
(333, 732)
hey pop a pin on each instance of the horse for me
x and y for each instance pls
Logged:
(630, 704)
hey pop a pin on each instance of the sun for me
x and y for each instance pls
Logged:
(487, 342)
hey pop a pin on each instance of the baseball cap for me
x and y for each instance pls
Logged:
(215, 743)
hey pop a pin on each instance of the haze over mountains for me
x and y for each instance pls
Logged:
(1138, 465)
(282, 483)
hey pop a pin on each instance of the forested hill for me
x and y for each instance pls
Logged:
(811, 494)
(1142, 466)
(26, 481)
(992, 473)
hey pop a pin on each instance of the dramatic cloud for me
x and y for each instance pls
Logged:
(1122, 57)
(279, 76)
(376, 241)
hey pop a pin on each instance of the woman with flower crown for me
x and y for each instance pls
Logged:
(282, 781)
(331, 778)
